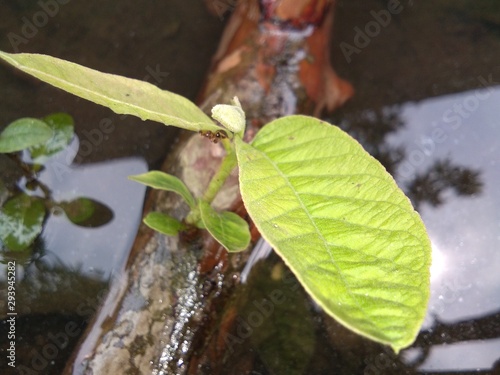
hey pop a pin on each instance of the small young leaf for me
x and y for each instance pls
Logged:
(164, 181)
(63, 130)
(21, 221)
(342, 225)
(231, 117)
(87, 212)
(163, 223)
(230, 230)
(24, 133)
(123, 95)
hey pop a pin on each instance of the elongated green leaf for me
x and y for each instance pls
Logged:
(340, 222)
(163, 223)
(24, 133)
(230, 230)
(62, 133)
(122, 95)
(21, 221)
(164, 181)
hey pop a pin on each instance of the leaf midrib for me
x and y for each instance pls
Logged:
(325, 243)
(102, 96)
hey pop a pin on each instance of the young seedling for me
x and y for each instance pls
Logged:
(329, 209)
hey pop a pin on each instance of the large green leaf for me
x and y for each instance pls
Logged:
(230, 230)
(122, 95)
(340, 222)
(21, 220)
(24, 133)
(164, 181)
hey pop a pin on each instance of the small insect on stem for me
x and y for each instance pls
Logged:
(214, 137)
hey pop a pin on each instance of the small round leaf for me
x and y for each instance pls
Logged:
(21, 220)
(230, 230)
(24, 133)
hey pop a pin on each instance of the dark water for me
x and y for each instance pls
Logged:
(426, 105)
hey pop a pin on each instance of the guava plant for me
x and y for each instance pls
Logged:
(329, 209)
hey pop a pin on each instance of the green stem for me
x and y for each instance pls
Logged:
(225, 169)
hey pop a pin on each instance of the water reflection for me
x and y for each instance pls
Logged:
(68, 271)
(446, 154)
(441, 177)
(95, 250)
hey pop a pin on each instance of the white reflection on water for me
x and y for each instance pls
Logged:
(465, 284)
(439, 261)
(97, 251)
